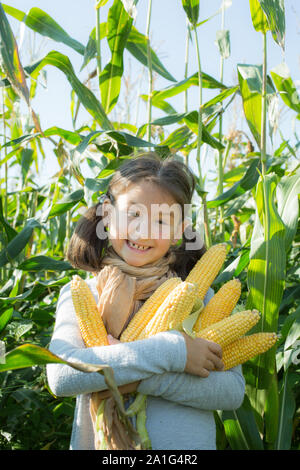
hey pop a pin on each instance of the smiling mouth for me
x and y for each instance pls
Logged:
(137, 247)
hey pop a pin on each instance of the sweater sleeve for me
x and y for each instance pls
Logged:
(218, 391)
(138, 360)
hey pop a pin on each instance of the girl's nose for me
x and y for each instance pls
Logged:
(138, 229)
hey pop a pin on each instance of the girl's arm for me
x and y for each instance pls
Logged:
(165, 352)
(218, 391)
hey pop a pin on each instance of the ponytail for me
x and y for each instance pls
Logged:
(186, 258)
(86, 248)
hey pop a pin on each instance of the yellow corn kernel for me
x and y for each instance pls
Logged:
(207, 268)
(246, 348)
(229, 329)
(220, 305)
(89, 319)
(171, 313)
(148, 309)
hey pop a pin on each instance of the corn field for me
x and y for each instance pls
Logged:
(123, 99)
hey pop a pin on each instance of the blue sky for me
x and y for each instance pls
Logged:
(168, 29)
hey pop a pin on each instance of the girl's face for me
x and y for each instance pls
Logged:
(143, 223)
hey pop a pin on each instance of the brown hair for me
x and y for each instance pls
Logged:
(86, 249)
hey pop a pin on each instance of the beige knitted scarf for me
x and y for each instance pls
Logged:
(122, 290)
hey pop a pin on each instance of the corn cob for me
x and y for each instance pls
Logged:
(206, 269)
(90, 322)
(147, 311)
(229, 329)
(171, 313)
(220, 306)
(246, 348)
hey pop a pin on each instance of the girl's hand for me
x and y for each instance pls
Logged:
(112, 340)
(202, 356)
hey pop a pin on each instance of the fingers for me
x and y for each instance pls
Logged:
(209, 365)
(215, 348)
(112, 340)
(203, 373)
(218, 363)
(215, 359)
(203, 356)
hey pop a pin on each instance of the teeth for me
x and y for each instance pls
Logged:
(138, 247)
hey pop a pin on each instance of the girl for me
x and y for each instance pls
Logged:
(131, 249)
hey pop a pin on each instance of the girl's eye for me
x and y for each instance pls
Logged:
(165, 221)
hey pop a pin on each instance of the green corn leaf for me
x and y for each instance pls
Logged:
(5, 318)
(29, 293)
(17, 14)
(288, 191)
(11, 64)
(10, 231)
(118, 28)
(250, 80)
(21, 140)
(259, 19)
(44, 263)
(66, 203)
(87, 140)
(274, 10)
(191, 120)
(137, 46)
(29, 355)
(294, 331)
(18, 243)
(128, 139)
(178, 138)
(223, 43)
(233, 269)
(160, 104)
(221, 97)
(168, 120)
(71, 137)
(120, 137)
(91, 49)
(86, 96)
(246, 183)
(237, 204)
(42, 23)
(241, 429)
(266, 275)
(250, 77)
(286, 87)
(10, 59)
(179, 87)
(191, 8)
(271, 412)
(101, 3)
(287, 410)
(26, 160)
(96, 185)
